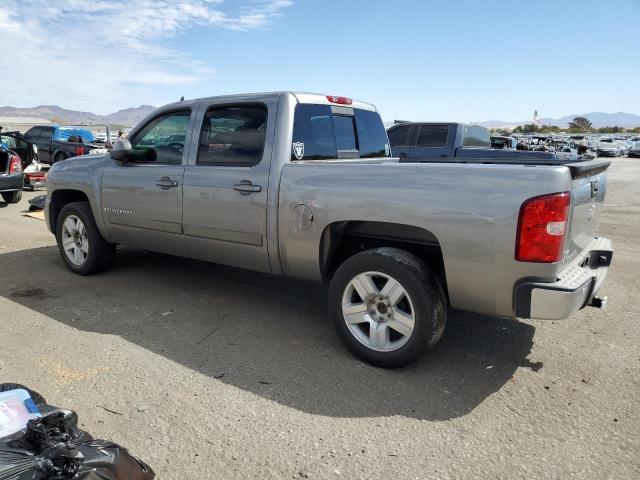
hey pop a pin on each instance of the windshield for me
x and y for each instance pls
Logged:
(323, 132)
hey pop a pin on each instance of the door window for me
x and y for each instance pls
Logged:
(433, 136)
(162, 140)
(399, 136)
(233, 136)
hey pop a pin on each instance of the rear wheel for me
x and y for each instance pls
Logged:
(12, 197)
(80, 243)
(388, 306)
(59, 157)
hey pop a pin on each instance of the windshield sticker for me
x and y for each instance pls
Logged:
(386, 150)
(298, 150)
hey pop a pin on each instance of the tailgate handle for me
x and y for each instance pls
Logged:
(594, 188)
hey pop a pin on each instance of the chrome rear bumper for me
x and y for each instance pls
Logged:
(575, 287)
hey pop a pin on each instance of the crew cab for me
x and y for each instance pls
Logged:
(56, 143)
(304, 185)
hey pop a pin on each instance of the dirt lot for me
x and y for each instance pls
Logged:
(209, 372)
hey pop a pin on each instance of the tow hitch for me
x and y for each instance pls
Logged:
(599, 302)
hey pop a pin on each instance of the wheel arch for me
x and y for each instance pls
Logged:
(60, 198)
(343, 239)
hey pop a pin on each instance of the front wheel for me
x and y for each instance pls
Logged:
(80, 243)
(388, 306)
(12, 197)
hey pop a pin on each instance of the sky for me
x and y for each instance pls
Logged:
(415, 59)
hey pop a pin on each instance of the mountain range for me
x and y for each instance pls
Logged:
(130, 116)
(597, 119)
(127, 117)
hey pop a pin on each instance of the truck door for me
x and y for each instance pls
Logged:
(142, 198)
(432, 142)
(41, 137)
(401, 138)
(226, 183)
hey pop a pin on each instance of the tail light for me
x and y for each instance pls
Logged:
(542, 226)
(79, 150)
(339, 100)
(15, 164)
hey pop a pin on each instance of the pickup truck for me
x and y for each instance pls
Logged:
(57, 143)
(458, 142)
(304, 185)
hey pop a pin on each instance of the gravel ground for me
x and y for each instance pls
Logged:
(209, 372)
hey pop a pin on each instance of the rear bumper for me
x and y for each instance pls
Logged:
(574, 289)
(11, 182)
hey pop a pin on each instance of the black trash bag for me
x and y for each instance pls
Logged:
(37, 203)
(52, 447)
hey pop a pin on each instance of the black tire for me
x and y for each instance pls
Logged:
(59, 157)
(35, 396)
(420, 283)
(12, 197)
(100, 255)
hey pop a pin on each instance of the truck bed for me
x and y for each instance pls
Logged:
(579, 167)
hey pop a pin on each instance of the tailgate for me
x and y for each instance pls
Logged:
(588, 188)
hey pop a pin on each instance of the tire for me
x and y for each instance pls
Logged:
(419, 307)
(35, 396)
(86, 251)
(12, 197)
(59, 157)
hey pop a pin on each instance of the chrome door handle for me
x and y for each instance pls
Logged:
(166, 183)
(246, 187)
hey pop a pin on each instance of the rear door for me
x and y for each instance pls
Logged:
(142, 198)
(226, 183)
(432, 142)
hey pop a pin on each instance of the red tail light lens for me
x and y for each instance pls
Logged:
(541, 228)
(79, 151)
(15, 164)
(339, 100)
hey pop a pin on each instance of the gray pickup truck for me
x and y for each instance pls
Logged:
(304, 185)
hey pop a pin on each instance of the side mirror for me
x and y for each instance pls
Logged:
(121, 150)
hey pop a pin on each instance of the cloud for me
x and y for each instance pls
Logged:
(81, 53)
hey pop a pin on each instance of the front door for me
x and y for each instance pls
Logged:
(226, 184)
(142, 198)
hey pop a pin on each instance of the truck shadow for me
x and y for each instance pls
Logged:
(266, 335)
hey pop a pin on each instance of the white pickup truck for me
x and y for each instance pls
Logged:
(304, 185)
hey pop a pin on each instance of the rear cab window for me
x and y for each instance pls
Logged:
(327, 132)
(476, 136)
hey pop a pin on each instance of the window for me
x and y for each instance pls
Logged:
(345, 132)
(161, 141)
(433, 136)
(233, 136)
(39, 134)
(319, 133)
(372, 138)
(399, 136)
(476, 136)
(8, 142)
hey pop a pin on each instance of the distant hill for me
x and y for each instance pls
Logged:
(126, 117)
(598, 119)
